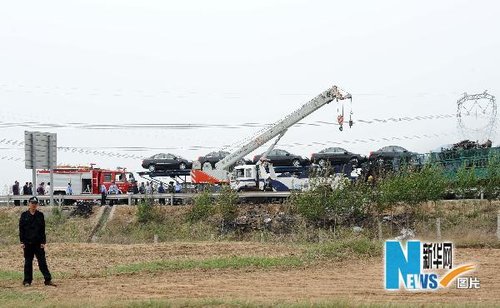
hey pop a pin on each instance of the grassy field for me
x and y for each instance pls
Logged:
(228, 274)
(59, 226)
(470, 223)
(193, 264)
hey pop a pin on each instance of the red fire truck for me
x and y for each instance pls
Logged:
(86, 180)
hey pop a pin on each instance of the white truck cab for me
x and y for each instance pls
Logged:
(262, 177)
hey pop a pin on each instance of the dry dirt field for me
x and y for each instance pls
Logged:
(85, 276)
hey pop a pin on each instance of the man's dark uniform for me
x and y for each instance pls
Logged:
(32, 235)
(15, 192)
(26, 192)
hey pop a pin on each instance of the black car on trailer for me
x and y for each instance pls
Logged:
(166, 161)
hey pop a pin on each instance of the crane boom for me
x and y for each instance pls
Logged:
(281, 126)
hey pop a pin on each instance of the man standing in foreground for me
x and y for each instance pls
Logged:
(33, 239)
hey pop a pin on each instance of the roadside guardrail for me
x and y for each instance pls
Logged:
(170, 198)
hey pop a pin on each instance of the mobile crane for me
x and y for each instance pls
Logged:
(220, 174)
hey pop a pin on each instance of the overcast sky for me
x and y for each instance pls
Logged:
(234, 62)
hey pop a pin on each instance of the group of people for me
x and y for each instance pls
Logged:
(43, 189)
(27, 190)
(149, 188)
(112, 190)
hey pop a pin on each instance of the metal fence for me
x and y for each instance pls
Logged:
(453, 160)
(170, 198)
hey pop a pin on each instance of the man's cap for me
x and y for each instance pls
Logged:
(33, 200)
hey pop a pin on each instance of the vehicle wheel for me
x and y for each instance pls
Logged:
(182, 166)
(322, 163)
(296, 163)
(152, 168)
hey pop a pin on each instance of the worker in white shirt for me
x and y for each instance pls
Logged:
(113, 190)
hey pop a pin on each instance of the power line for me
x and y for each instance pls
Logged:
(12, 158)
(95, 151)
(190, 126)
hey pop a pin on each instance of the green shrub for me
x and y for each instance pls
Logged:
(431, 183)
(147, 212)
(56, 216)
(411, 187)
(466, 181)
(227, 204)
(313, 204)
(333, 203)
(492, 185)
(202, 208)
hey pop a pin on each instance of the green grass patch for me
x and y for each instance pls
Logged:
(18, 299)
(58, 226)
(329, 250)
(168, 231)
(18, 275)
(343, 249)
(13, 275)
(209, 302)
(11, 298)
(9, 226)
(216, 263)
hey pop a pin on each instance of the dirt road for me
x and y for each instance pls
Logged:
(354, 281)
